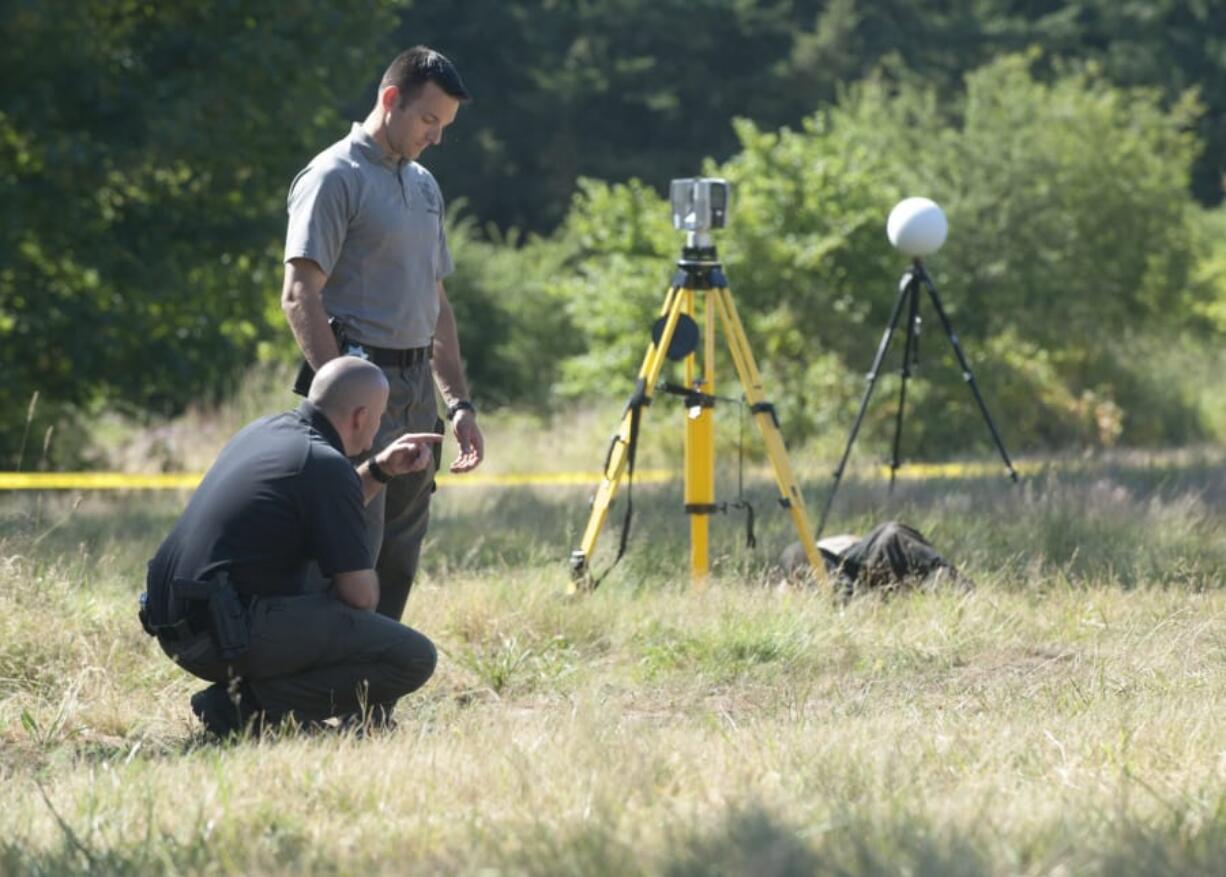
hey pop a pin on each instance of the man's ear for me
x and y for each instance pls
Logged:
(389, 97)
(357, 420)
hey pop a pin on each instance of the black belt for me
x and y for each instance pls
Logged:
(388, 357)
(192, 624)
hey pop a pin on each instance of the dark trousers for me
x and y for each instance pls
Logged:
(315, 657)
(396, 519)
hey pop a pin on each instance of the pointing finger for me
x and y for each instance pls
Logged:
(420, 438)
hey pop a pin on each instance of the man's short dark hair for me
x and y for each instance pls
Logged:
(414, 67)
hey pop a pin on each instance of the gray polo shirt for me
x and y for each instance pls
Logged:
(374, 225)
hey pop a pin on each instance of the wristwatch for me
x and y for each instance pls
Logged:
(457, 407)
(377, 472)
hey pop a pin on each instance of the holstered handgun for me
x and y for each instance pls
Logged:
(228, 619)
(306, 374)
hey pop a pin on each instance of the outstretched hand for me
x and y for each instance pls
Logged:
(472, 443)
(408, 453)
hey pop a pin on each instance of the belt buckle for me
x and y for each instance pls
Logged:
(353, 349)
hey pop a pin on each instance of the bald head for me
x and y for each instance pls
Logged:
(352, 393)
(345, 383)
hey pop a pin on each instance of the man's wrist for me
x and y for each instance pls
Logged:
(461, 405)
(377, 472)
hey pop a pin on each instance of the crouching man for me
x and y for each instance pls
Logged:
(228, 595)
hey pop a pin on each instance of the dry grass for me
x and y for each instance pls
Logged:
(1062, 718)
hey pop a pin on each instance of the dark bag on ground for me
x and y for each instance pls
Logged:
(892, 555)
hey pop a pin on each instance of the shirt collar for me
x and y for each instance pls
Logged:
(371, 150)
(318, 421)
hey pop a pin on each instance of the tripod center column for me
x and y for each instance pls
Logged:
(700, 438)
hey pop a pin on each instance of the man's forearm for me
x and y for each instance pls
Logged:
(370, 485)
(448, 365)
(302, 304)
(359, 589)
(309, 323)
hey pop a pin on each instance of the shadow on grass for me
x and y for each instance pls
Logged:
(747, 840)
(751, 840)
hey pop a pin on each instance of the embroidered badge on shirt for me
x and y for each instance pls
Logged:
(430, 196)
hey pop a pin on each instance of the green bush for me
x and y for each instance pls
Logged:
(514, 332)
(1073, 243)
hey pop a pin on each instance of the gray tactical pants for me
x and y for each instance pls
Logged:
(397, 518)
(315, 657)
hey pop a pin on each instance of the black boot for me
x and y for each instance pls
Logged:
(224, 715)
(375, 720)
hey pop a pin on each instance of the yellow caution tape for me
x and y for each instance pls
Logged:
(922, 471)
(97, 481)
(548, 479)
(189, 480)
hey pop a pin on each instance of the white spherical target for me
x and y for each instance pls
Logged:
(917, 226)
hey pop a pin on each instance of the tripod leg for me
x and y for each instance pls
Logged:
(764, 413)
(871, 378)
(908, 356)
(619, 450)
(967, 375)
(700, 447)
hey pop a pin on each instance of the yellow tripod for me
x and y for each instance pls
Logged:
(698, 270)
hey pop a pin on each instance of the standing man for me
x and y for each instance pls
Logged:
(365, 258)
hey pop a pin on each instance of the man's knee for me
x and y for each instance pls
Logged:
(413, 660)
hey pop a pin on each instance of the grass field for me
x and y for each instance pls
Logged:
(1062, 718)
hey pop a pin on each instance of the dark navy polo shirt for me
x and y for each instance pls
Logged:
(280, 494)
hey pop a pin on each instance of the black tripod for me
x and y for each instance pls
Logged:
(909, 296)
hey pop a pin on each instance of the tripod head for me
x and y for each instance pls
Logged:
(698, 255)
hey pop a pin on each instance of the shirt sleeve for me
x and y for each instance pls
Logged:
(336, 521)
(319, 211)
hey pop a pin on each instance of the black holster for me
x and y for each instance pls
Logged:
(306, 374)
(228, 619)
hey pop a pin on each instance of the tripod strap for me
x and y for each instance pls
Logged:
(741, 502)
(638, 401)
(751, 541)
(632, 447)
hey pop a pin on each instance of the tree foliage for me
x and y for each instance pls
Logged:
(514, 329)
(1072, 233)
(646, 90)
(145, 150)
